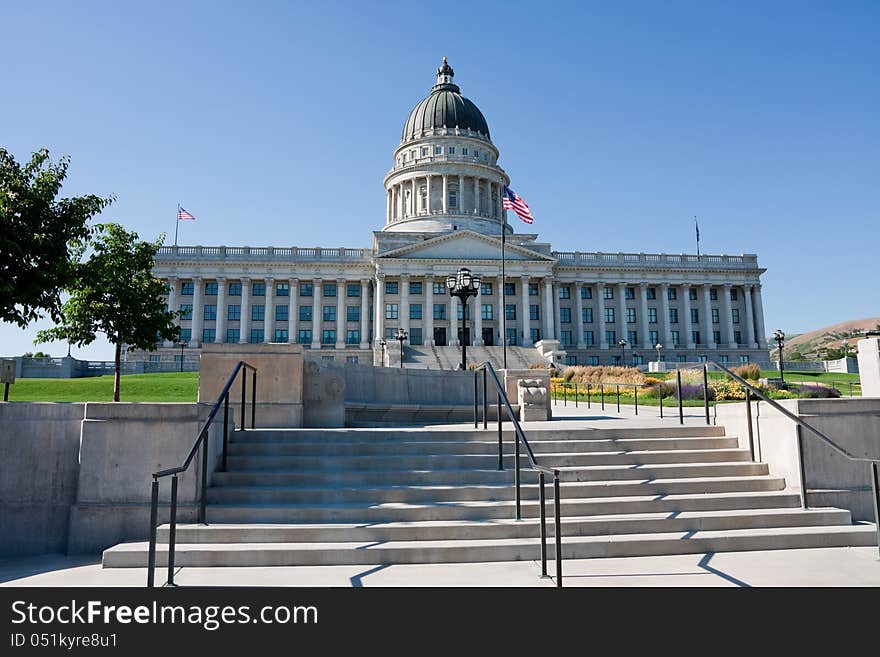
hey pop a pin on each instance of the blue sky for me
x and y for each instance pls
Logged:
(618, 122)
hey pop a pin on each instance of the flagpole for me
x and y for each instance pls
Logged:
(176, 224)
(697, 227)
(503, 280)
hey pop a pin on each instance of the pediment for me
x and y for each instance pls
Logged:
(464, 245)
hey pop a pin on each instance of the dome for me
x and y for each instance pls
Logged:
(444, 107)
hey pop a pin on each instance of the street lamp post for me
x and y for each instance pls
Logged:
(463, 285)
(658, 347)
(622, 345)
(182, 346)
(401, 335)
(779, 337)
(382, 344)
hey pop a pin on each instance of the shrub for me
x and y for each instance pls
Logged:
(539, 366)
(688, 390)
(728, 390)
(749, 371)
(815, 391)
(604, 374)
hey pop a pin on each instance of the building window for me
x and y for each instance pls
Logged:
(353, 289)
(329, 314)
(673, 315)
(594, 360)
(257, 336)
(715, 316)
(737, 337)
(610, 337)
(450, 150)
(453, 199)
(534, 313)
(716, 337)
(233, 336)
(632, 337)
(280, 335)
(734, 296)
(282, 314)
(734, 314)
(391, 310)
(415, 311)
(609, 315)
(630, 315)
(186, 289)
(744, 359)
(304, 336)
(535, 335)
(586, 293)
(692, 293)
(511, 336)
(258, 313)
(305, 290)
(424, 151)
(509, 289)
(209, 335)
(566, 337)
(681, 358)
(652, 293)
(486, 311)
(354, 360)
(485, 289)
(676, 338)
(353, 313)
(233, 312)
(588, 338)
(439, 311)
(695, 316)
(234, 289)
(186, 310)
(607, 293)
(695, 337)
(329, 289)
(510, 311)
(464, 151)
(654, 337)
(571, 360)
(438, 150)
(703, 358)
(724, 359)
(282, 289)
(415, 336)
(415, 287)
(564, 316)
(259, 289)
(352, 336)
(305, 313)
(587, 315)
(210, 289)
(533, 289)
(389, 334)
(713, 294)
(565, 292)
(629, 293)
(328, 336)
(185, 335)
(672, 294)
(439, 288)
(390, 287)
(210, 312)
(467, 311)
(652, 315)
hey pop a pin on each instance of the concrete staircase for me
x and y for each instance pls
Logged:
(374, 496)
(448, 358)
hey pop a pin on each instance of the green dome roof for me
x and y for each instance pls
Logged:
(444, 108)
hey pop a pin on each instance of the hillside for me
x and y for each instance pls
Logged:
(829, 337)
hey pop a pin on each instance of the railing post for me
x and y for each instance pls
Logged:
(680, 403)
(543, 503)
(618, 398)
(485, 403)
(602, 394)
(749, 421)
(575, 395)
(706, 391)
(517, 475)
(558, 519)
(203, 502)
(254, 400)
(172, 530)
(500, 443)
(225, 429)
(636, 397)
(589, 403)
(243, 395)
(875, 485)
(660, 393)
(800, 456)
(475, 399)
(154, 509)
(564, 394)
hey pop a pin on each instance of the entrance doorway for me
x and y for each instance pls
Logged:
(440, 336)
(467, 337)
(489, 337)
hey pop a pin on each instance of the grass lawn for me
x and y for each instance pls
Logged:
(164, 387)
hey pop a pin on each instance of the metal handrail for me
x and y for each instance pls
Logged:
(201, 441)
(542, 470)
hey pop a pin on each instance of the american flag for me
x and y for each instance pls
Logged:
(513, 202)
(184, 215)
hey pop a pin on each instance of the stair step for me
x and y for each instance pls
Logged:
(513, 549)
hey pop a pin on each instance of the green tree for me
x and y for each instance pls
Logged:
(116, 294)
(41, 237)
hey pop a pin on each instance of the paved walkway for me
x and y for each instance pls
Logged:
(858, 566)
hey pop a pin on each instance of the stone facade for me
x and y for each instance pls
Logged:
(444, 211)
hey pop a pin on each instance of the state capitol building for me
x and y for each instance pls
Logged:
(444, 211)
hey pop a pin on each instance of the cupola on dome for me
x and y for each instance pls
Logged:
(445, 107)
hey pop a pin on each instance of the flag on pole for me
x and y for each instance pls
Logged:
(512, 201)
(697, 228)
(183, 215)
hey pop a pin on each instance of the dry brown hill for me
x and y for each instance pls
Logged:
(829, 337)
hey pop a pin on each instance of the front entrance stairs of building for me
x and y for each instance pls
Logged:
(449, 358)
(435, 495)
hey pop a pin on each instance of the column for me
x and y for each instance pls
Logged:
(666, 330)
(340, 313)
(445, 193)
(460, 208)
(245, 322)
(197, 311)
(750, 320)
(600, 314)
(269, 314)
(221, 311)
(498, 204)
(578, 321)
(172, 301)
(414, 198)
(686, 311)
(727, 317)
(388, 207)
(549, 318)
(502, 323)
(758, 309)
(454, 322)
(554, 316)
(428, 192)
(379, 309)
(403, 208)
(292, 333)
(707, 321)
(403, 315)
(477, 340)
(524, 319)
(621, 315)
(645, 336)
(476, 195)
(317, 313)
(365, 311)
